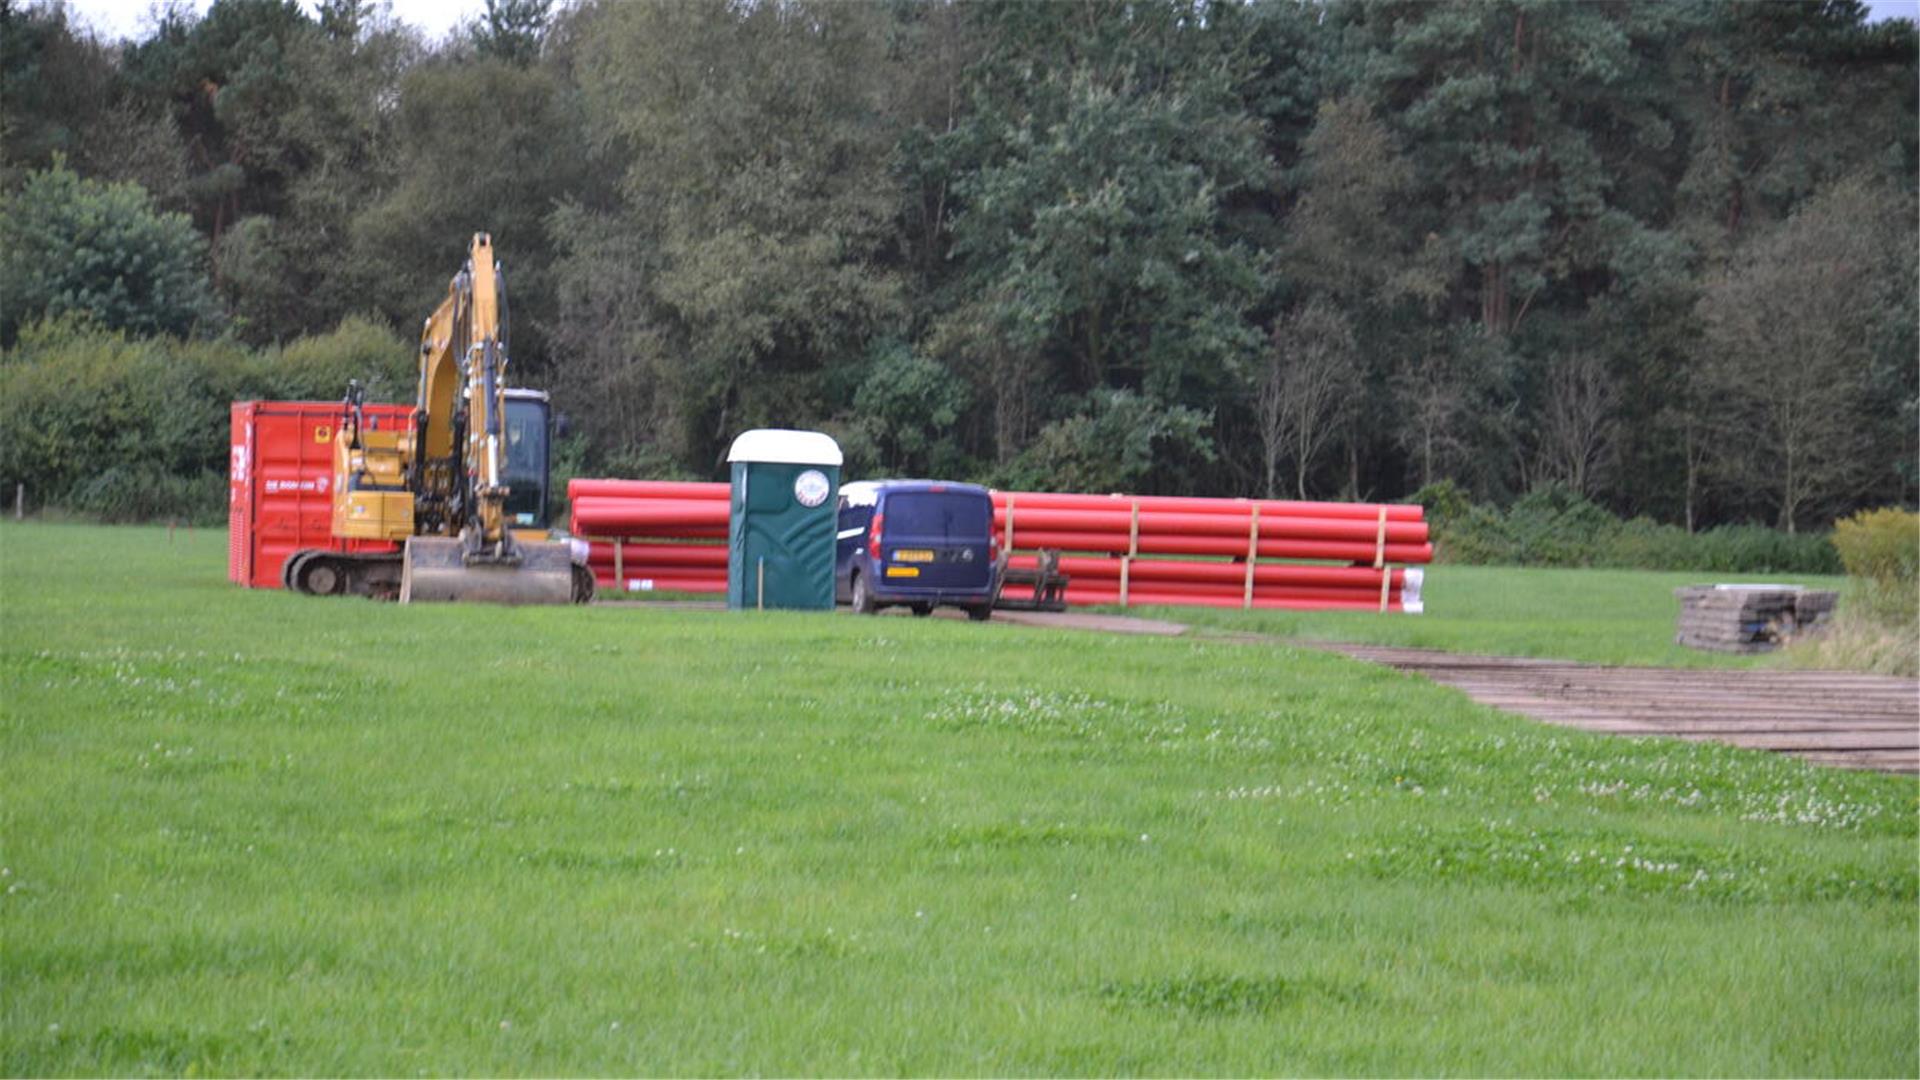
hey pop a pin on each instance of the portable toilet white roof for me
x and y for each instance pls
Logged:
(785, 447)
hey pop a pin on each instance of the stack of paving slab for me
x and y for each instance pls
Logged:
(1749, 618)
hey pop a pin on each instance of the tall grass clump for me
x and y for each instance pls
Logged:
(1557, 527)
(1878, 625)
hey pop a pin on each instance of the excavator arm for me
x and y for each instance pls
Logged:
(462, 406)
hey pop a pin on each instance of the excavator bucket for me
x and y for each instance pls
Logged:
(435, 571)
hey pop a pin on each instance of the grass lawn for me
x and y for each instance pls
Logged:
(1602, 616)
(248, 832)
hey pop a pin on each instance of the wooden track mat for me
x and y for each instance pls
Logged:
(1844, 719)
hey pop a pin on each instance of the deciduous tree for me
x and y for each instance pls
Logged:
(1310, 382)
(100, 251)
(1790, 333)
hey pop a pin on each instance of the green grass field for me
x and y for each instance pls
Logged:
(1602, 616)
(247, 832)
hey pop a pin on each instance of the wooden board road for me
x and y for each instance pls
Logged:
(1845, 719)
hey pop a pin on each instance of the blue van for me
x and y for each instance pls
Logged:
(917, 543)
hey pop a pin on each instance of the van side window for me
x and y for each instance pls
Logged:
(855, 517)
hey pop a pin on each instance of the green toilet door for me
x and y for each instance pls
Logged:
(781, 529)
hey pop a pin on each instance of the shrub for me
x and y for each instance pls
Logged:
(1553, 526)
(146, 493)
(1121, 442)
(1445, 502)
(1881, 550)
(1880, 545)
(319, 368)
(131, 429)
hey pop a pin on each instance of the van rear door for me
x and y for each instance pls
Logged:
(942, 534)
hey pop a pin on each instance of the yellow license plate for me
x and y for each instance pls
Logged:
(903, 571)
(913, 555)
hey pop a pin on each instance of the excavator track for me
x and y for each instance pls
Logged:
(318, 572)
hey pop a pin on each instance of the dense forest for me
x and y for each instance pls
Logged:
(1659, 255)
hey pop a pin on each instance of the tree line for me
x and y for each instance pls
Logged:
(1657, 255)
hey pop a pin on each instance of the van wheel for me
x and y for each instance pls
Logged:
(862, 599)
(980, 613)
(923, 610)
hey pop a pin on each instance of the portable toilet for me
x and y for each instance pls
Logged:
(780, 531)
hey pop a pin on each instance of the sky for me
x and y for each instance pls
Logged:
(114, 19)
(132, 18)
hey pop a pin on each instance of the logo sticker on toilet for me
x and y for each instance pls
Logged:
(811, 487)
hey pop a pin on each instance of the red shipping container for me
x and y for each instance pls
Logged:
(280, 484)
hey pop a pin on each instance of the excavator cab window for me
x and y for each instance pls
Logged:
(527, 461)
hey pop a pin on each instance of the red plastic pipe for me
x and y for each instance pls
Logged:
(1232, 592)
(601, 516)
(1267, 603)
(1199, 505)
(661, 582)
(646, 489)
(658, 532)
(1149, 573)
(1160, 523)
(678, 573)
(1328, 550)
(708, 555)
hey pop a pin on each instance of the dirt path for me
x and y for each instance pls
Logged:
(1084, 620)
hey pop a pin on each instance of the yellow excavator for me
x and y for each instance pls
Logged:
(445, 490)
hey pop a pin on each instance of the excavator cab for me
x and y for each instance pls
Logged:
(529, 458)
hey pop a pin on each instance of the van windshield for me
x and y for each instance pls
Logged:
(948, 517)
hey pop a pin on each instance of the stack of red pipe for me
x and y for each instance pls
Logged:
(1118, 549)
(653, 534)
